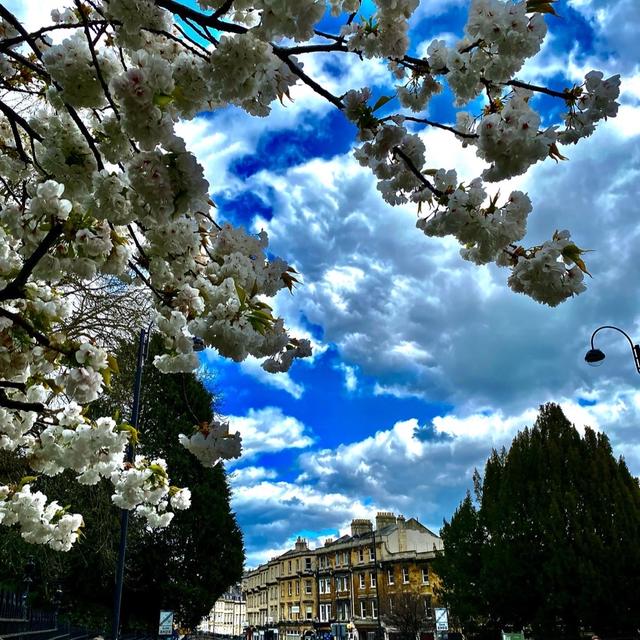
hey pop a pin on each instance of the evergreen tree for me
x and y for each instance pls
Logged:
(554, 541)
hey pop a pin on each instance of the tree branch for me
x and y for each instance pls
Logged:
(438, 125)
(19, 405)
(39, 337)
(318, 88)
(416, 172)
(533, 87)
(202, 19)
(15, 289)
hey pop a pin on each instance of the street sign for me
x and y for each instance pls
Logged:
(442, 619)
(165, 628)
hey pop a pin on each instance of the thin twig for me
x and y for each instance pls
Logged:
(15, 289)
(438, 125)
(416, 172)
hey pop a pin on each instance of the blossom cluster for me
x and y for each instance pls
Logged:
(40, 522)
(143, 487)
(211, 443)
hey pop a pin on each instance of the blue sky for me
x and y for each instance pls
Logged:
(422, 362)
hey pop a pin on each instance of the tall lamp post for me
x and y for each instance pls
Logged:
(595, 357)
(143, 347)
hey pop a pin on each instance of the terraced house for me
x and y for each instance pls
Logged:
(347, 587)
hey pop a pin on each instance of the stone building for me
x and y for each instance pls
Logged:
(228, 615)
(345, 587)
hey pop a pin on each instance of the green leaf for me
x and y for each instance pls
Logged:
(113, 363)
(26, 480)
(162, 100)
(133, 432)
(381, 101)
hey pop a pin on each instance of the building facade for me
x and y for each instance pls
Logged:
(346, 587)
(228, 617)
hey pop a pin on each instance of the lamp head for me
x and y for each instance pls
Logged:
(594, 357)
(198, 343)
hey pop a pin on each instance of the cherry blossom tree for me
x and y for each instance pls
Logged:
(95, 183)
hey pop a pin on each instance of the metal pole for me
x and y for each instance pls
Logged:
(124, 513)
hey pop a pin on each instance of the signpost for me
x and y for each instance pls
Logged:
(165, 628)
(442, 619)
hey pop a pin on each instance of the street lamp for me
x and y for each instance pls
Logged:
(143, 348)
(594, 357)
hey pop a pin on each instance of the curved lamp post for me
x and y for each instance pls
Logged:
(595, 357)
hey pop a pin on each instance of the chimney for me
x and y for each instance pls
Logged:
(402, 534)
(361, 526)
(384, 519)
(328, 541)
(301, 544)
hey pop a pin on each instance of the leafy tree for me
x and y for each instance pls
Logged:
(185, 567)
(462, 560)
(553, 542)
(407, 613)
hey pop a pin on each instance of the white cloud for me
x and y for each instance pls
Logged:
(34, 15)
(350, 376)
(615, 23)
(251, 475)
(281, 380)
(418, 470)
(268, 430)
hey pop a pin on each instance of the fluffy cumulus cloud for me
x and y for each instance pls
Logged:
(411, 468)
(273, 513)
(268, 430)
(615, 23)
(409, 311)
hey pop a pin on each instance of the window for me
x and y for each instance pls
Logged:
(297, 587)
(371, 553)
(307, 587)
(325, 612)
(390, 605)
(390, 578)
(405, 575)
(343, 611)
(425, 576)
(337, 559)
(372, 578)
(363, 609)
(307, 564)
(289, 566)
(290, 589)
(427, 607)
(361, 580)
(309, 613)
(374, 609)
(345, 558)
(360, 555)
(298, 564)
(282, 590)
